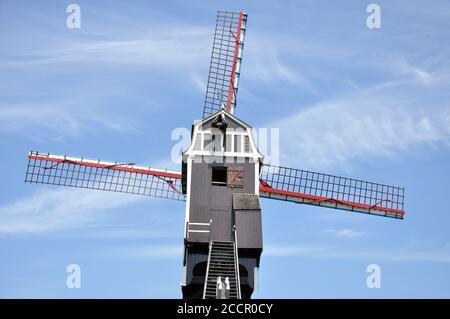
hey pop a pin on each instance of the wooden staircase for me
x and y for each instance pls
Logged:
(223, 263)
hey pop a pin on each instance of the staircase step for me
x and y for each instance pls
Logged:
(221, 265)
(227, 253)
(230, 274)
(222, 274)
(213, 280)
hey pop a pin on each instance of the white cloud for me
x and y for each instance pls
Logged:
(199, 82)
(59, 209)
(405, 254)
(61, 117)
(263, 63)
(164, 48)
(403, 67)
(360, 127)
(151, 252)
(78, 104)
(344, 233)
(285, 251)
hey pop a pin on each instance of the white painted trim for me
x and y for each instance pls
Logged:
(183, 276)
(256, 278)
(255, 154)
(190, 149)
(79, 159)
(257, 178)
(235, 154)
(252, 141)
(188, 194)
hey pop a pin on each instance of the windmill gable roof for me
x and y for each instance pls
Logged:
(233, 121)
(239, 132)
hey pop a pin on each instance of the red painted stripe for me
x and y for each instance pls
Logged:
(116, 167)
(325, 199)
(233, 71)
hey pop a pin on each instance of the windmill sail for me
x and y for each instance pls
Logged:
(225, 64)
(319, 189)
(82, 173)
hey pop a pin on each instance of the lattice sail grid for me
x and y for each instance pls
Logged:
(332, 191)
(225, 62)
(124, 178)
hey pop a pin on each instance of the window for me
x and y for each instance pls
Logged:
(219, 175)
(228, 138)
(217, 145)
(247, 144)
(228, 176)
(207, 142)
(237, 143)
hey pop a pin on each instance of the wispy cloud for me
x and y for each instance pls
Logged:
(264, 63)
(59, 118)
(344, 233)
(352, 104)
(164, 48)
(199, 82)
(51, 210)
(360, 127)
(286, 251)
(150, 252)
(336, 253)
(68, 103)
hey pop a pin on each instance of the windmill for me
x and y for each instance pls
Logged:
(222, 180)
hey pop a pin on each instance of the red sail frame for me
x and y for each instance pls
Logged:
(273, 193)
(233, 89)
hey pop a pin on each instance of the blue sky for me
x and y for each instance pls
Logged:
(348, 100)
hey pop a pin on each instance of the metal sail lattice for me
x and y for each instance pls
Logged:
(320, 189)
(99, 175)
(224, 69)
